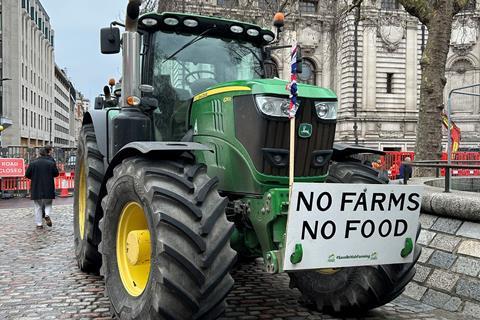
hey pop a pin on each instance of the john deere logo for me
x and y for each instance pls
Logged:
(305, 130)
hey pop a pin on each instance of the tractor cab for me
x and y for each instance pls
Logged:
(187, 54)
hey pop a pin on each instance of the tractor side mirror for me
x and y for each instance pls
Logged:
(98, 103)
(299, 60)
(110, 40)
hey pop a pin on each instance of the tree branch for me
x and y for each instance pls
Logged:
(283, 5)
(355, 4)
(459, 5)
(421, 9)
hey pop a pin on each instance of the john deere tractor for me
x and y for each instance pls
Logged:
(186, 168)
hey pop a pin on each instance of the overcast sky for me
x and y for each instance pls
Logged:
(77, 46)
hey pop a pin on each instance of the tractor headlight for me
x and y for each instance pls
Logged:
(273, 106)
(326, 110)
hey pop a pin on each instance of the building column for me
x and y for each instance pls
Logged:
(326, 64)
(369, 66)
(411, 67)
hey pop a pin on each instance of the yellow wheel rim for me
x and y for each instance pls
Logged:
(133, 248)
(328, 271)
(82, 201)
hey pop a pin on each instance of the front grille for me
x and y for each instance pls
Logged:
(258, 133)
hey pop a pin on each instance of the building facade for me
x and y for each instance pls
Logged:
(27, 71)
(63, 119)
(372, 63)
(83, 104)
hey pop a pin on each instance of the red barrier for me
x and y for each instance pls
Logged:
(65, 180)
(393, 159)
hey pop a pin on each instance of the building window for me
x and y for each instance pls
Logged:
(390, 4)
(389, 82)
(228, 3)
(308, 6)
(472, 4)
(271, 69)
(308, 72)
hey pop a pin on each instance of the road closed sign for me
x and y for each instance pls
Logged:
(344, 225)
(12, 167)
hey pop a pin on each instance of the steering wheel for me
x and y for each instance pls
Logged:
(188, 75)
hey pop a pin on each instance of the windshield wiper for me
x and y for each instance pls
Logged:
(188, 44)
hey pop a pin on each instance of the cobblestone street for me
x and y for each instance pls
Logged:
(39, 279)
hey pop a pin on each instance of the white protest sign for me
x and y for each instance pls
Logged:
(343, 225)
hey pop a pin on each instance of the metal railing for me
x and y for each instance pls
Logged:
(447, 165)
(65, 157)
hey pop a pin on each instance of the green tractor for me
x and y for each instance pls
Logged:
(186, 168)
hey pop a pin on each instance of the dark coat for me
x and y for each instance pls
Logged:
(42, 171)
(405, 172)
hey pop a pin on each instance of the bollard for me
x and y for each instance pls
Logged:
(447, 179)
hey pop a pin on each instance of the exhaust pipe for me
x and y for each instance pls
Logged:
(131, 124)
(133, 11)
(131, 53)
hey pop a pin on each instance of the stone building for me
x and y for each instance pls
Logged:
(27, 71)
(63, 110)
(379, 94)
(80, 108)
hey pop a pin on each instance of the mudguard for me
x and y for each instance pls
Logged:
(99, 120)
(343, 151)
(157, 149)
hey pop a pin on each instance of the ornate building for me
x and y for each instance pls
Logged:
(371, 59)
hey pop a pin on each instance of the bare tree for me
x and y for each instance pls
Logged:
(438, 17)
(150, 6)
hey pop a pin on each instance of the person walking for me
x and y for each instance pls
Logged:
(42, 172)
(406, 170)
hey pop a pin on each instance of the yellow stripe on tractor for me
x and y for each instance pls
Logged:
(220, 90)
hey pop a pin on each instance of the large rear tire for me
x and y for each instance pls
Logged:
(179, 265)
(354, 289)
(89, 172)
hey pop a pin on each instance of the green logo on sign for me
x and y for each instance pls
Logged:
(305, 130)
(331, 258)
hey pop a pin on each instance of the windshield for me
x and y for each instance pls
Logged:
(186, 65)
(203, 63)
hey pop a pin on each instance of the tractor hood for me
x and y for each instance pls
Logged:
(267, 86)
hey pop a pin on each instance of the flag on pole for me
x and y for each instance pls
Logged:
(292, 109)
(292, 86)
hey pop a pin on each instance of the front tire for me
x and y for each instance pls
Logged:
(354, 289)
(187, 260)
(88, 180)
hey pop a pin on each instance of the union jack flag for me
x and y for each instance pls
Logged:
(292, 86)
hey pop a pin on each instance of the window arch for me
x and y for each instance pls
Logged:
(271, 69)
(308, 74)
(460, 73)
